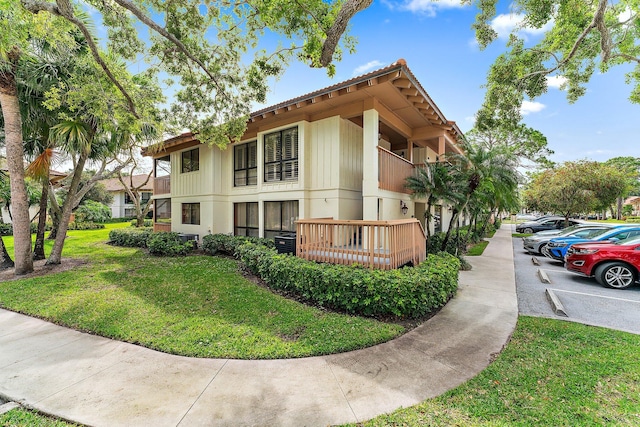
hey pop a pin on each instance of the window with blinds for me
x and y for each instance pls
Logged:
(245, 164)
(281, 155)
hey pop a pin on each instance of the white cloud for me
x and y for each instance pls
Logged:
(425, 7)
(367, 67)
(626, 15)
(556, 81)
(529, 107)
(505, 24)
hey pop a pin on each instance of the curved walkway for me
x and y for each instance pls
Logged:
(101, 382)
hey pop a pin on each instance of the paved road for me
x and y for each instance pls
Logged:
(583, 299)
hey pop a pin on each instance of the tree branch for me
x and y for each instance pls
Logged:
(349, 8)
(173, 39)
(64, 9)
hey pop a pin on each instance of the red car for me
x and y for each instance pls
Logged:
(615, 265)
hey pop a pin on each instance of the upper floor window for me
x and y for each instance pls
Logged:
(281, 155)
(190, 160)
(245, 164)
(191, 213)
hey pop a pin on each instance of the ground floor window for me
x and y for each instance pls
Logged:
(280, 217)
(129, 212)
(163, 210)
(191, 213)
(245, 219)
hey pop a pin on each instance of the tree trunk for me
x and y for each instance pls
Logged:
(56, 252)
(38, 249)
(5, 259)
(15, 158)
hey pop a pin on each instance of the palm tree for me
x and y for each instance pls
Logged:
(431, 182)
(480, 169)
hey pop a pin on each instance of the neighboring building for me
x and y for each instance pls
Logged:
(634, 201)
(342, 152)
(122, 205)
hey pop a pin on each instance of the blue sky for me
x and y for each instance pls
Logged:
(438, 44)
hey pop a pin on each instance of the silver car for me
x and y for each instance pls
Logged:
(535, 243)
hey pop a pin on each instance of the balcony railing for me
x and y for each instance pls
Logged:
(392, 171)
(376, 244)
(162, 185)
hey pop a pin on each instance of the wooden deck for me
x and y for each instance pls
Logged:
(376, 244)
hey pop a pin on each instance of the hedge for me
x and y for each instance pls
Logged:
(168, 243)
(225, 243)
(410, 292)
(130, 237)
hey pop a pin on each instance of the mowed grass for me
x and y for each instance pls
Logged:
(552, 373)
(25, 418)
(197, 305)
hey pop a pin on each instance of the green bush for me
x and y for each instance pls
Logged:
(168, 243)
(128, 237)
(85, 226)
(633, 219)
(409, 292)
(6, 229)
(225, 243)
(146, 222)
(92, 211)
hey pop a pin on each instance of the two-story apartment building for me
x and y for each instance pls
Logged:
(342, 152)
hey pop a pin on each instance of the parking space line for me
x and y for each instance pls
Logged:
(596, 295)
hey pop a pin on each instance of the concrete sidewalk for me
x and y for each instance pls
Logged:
(97, 381)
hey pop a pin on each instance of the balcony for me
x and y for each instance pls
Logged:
(384, 245)
(392, 171)
(162, 185)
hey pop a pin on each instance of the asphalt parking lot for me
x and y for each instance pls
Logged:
(582, 299)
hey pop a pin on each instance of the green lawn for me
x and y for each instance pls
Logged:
(552, 373)
(194, 306)
(26, 418)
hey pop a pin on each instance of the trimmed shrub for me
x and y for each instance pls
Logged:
(632, 219)
(146, 222)
(84, 226)
(136, 238)
(168, 243)
(92, 211)
(409, 292)
(225, 243)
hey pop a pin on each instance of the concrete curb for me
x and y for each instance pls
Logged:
(8, 406)
(543, 276)
(535, 260)
(556, 305)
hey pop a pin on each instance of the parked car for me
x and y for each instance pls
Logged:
(614, 265)
(558, 246)
(526, 217)
(549, 223)
(534, 243)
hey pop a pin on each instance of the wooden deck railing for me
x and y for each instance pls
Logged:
(162, 185)
(376, 244)
(392, 171)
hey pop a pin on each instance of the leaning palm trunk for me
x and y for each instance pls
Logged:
(15, 157)
(56, 252)
(5, 259)
(38, 248)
